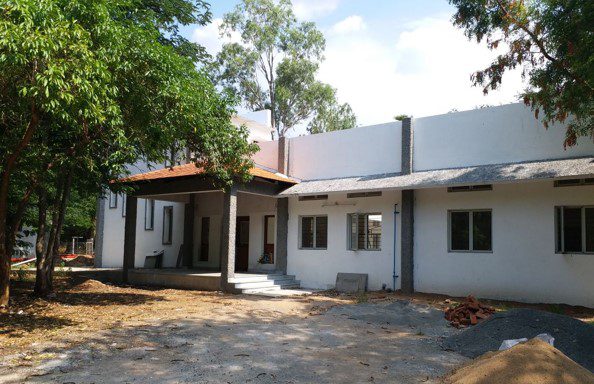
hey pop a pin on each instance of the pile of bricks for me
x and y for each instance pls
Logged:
(469, 312)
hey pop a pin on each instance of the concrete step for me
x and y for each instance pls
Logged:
(258, 278)
(290, 282)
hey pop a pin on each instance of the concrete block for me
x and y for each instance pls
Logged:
(351, 282)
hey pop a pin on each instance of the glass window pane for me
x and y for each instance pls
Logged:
(481, 231)
(374, 231)
(459, 236)
(270, 229)
(204, 238)
(307, 224)
(361, 221)
(572, 229)
(353, 231)
(321, 232)
(589, 229)
(559, 229)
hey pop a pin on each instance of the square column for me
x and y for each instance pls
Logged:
(407, 234)
(228, 227)
(129, 235)
(282, 230)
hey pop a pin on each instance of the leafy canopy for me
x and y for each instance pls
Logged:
(274, 66)
(552, 40)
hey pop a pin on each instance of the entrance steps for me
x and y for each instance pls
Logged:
(258, 284)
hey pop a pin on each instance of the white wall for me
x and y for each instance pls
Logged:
(267, 155)
(523, 265)
(359, 151)
(147, 241)
(495, 135)
(318, 268)
(209, 204)
(256, 207)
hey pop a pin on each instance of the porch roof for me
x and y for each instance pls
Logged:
(191, 169)
(481, 174)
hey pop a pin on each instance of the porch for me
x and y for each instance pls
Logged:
(212, 236)
(242, 282)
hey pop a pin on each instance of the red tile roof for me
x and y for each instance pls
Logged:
(191, 170)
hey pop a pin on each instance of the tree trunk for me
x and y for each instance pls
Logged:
(44, 278)
(41, 265)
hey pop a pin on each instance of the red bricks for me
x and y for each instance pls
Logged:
(469, 312)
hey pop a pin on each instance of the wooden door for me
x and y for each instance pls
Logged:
(242, 243)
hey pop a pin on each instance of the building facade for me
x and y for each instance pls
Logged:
(484, 202)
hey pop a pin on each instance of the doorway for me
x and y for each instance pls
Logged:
(269, 238)
(242, 243)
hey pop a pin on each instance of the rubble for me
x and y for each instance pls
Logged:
(469, 312)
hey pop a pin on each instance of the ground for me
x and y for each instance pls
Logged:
(92, 332)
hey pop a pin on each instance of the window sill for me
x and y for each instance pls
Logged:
(365, 250)
(312, 249)
(470, 251)
(574, 253)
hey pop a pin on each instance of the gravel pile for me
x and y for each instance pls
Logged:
(572, 337)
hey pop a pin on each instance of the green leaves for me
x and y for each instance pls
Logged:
(275, 64)
(552, 41)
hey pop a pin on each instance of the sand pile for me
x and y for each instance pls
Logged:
(572, 337)
(533, 362)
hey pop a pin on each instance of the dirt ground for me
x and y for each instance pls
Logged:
(91, 332)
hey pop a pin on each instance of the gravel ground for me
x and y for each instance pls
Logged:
(370, 342)
(572, 337)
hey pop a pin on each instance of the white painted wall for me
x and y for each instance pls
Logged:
(267, 155)
(256, 207)
(370, 150)
(318, 268)
(523, 265)
(147, 241)
(495, 135)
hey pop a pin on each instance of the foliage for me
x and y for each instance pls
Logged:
(332, 117)
(87, 87)
(401, 117)
(552, 41)
(275, 63)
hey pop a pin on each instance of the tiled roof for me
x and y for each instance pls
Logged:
(191, 170)
(481, 174)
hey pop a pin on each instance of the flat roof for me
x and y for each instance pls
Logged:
(480, 174)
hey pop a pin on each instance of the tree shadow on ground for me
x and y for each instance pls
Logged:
(14, 324)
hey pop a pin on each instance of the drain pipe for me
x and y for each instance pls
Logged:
(394, 275)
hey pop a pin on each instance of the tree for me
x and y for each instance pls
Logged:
(332, 117)
(275, 64)
(87, 87)
(552, 40)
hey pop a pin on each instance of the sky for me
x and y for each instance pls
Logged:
(389, 57)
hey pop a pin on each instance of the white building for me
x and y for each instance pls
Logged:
(484, 202)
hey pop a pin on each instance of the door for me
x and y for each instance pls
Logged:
(242, 244)
(269, 237)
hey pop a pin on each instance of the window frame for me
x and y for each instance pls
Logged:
(113, 197)
(169, 240)
(350, 232)
(124, 200)
(152, 218)
(470, 230)
(314, 235)
(560, 231)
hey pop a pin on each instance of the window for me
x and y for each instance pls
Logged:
(113, 200)
(471, 188)
(575, 229)
(355, 195)
(470, 231)
(365, 231)
(313, 197)
(167, 224)
(313, 232)
(204, 239)
(573, 182)
(124, 205)
(149, 214)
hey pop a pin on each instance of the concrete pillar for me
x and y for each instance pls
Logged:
(188, 247)
(407, 146)
(282, 231)
(130, 235)
(407, 282)
(283, 155)
(228, 225)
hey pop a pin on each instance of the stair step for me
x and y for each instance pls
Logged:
(274, 288)
(254, 279)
